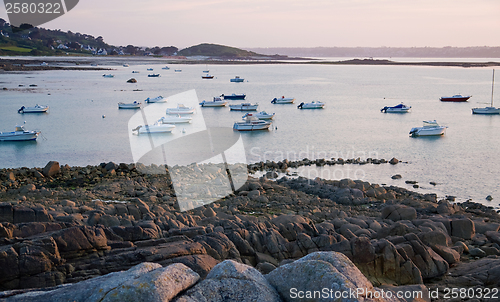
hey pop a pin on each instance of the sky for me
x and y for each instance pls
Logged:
(286, 23)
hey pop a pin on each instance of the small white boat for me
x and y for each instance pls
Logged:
(44, 64)
(283, 100)
(490, 109)
(244, 107)
(178, 70)
(158, 99)
(154, 75)
(166, 68)
(206, 71)
(313, 105)
(251, 123)
(134, 105)
(261, 115)
(400, 108)
(175, 119)
(19, 134)
(217, 102)
(181, 109)
(125, 65)
(207, 76)
(149, 69)
(135, 71)
(157, 127)
(108, 75)
(237, 79)
(35, 109)
(430, 128)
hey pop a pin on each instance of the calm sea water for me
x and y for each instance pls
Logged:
(463, 163)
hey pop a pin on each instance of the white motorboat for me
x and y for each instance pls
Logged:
(108, 75)
(134, 105)
(251, 123)
(237, 79)
(158, 99)
(166, 68)
(181, 109)
(217, 102)
(400, 108)
(312, 105)
(19, 134)
(490, 109)
(283, 100)
(261, 115)
(157, 127)
(430, 128)
(175, 119)
(244, 107)
(35, 109)
(207, 76)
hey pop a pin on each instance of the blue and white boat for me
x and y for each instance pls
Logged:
(237, 79)
(400, 108)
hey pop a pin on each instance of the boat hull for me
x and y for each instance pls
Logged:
(251, 127)
(165, 128)
(311, 106)
(129, 106)
(35, 109)
(283, 101)
(177, 120)
(487, 110)
(455, 99)
(19, 136)
(243, 107)
(213, 104)
(236, 80)
(234, 97)
(433, 131)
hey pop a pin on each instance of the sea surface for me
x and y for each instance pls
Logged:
(84, 126)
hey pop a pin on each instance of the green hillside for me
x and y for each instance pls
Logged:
(215, 50)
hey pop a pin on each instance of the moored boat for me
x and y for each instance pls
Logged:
(207, 76)
(125, 65)
(35, 109)
(455, 98)
(181, 109)
(157, 127)
(158, 99)
(261, 115)
(175, 119)
(312, 105)
(283, 100)
(178, 70)
(234, 96)
(490, 109)
(430, 128)
(19, 134)
(244, 107)
(400, 108)
(134, 105)
(149, 69)
(153, 75)
(108, 75)
(251, 123)
(135, 71)
(217, 102)
(237, 79)
(165, 68)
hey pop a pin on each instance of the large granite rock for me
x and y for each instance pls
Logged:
(231, 281)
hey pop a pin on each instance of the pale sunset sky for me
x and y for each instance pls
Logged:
(287, 23)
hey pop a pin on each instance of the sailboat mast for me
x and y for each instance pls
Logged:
(492, 85)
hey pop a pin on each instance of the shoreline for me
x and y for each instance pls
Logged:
(9, 65)
(84, 222)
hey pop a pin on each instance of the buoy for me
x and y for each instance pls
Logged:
(103, 116)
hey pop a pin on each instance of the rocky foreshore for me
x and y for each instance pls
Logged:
(83, 225)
